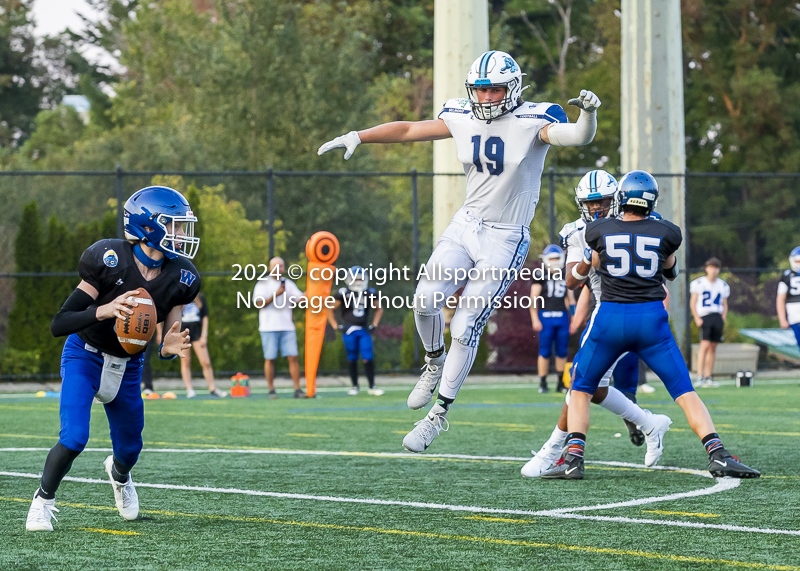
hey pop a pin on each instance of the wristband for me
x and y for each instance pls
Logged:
(160, 356)
(671, 273)
(577, 275)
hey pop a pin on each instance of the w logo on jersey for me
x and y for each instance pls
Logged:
(510, 65)
(187, 277)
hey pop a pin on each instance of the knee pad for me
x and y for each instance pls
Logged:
(465, 333)
(425, 302)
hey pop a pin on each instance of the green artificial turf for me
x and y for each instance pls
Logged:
(225, 528)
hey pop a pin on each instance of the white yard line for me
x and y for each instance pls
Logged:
(722, 485)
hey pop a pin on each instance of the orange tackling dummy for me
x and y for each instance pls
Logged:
(322, 249)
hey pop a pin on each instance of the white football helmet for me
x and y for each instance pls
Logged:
(794, 259)
(595, 185)
(357, 279)
(553, 257)
(494, 69)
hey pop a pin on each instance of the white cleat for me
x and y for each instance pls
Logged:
(657, 427)
(40, 514)
(124, 494)
(647, 388)
(427, 383)
(353, 392)
(542, 460)
(426, 430)
(376, 392)
(190, 394)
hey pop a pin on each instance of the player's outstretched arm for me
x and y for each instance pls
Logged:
(579, 133)
(394, 132)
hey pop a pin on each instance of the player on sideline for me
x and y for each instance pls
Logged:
(595, 195)
(502, 142)
(356, 300)
(159, 232)
(552, 320)
(632, 254)
(787, 302)
(709, 305)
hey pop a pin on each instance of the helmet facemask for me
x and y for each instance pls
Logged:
(596, 208)
(494, 109)
(357, 280)
(179, 238)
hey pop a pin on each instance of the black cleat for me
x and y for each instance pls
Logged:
(543, 388)
(722, 463)
(561, 388)
(637, 436)
(568, 468)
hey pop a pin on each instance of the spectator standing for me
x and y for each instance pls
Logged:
(274, 297)
(195, 319)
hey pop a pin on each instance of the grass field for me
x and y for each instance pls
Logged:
(325, 484)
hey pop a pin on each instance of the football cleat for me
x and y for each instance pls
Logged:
(543, 389)
(218, 393)
(636, 435)
(300, 394)
(272, 394)
(426, 430)
(423, 391)
(353, 391)
(190, 394)
(567, 468)
(657, 427)
(125, 495)
(561, 387)
(647, 388)
(375, 391)
(40, 514)
(721, 464)
(542, 460)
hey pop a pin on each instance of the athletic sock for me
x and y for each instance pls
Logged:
(353, 368)
(712, 442)
(616, 402)
(557, 438)
(456, 368)
(119, 471)
(543, 380)
(431, 331)
(576, 442)
(444, 402)
(58, 463)
(369, 369)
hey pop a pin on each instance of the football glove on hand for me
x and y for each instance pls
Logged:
(587, 101)
(340, 327)
(371, 327)
(349, 141)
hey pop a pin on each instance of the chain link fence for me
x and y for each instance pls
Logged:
(380, 218)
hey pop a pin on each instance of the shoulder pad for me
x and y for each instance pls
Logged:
(457, 106)
(787, 272)
(549, 112)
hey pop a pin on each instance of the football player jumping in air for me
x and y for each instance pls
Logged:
(595, 195)
(551, 321)
(356, 300)
(632, 254)
(159, 232)
(502, 142)
(788, 301)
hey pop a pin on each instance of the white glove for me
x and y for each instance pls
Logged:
(349, 141)
(587, 101)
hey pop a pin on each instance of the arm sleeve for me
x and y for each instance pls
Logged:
(77, 313)
(573, 134)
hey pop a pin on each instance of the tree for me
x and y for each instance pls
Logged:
(28, 322)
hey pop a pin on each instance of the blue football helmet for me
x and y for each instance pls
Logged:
(553, 257)
(357, 279)
(637, 188)
(794, 259)
(161, 218)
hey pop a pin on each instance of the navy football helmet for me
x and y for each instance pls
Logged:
(161, 218)
(357, 279)
(637, 188)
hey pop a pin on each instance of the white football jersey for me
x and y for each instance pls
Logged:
(503, 158)
(710, 295)
(573, 241)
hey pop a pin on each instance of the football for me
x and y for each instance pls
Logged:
(137, 328)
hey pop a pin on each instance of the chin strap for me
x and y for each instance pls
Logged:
(145, 259)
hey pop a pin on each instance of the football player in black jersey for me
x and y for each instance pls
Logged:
(632, 254)
(551, 320)
(356, 300)
(788, 301)
(159, 231)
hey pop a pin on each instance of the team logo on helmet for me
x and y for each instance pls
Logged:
(111, 259)
(510, 65)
